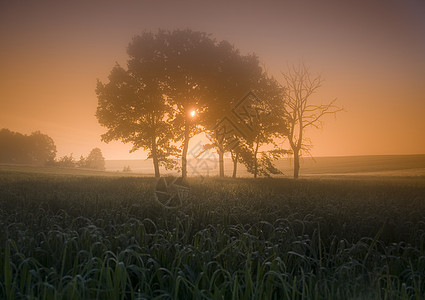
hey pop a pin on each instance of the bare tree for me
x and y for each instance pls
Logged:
(300, 113)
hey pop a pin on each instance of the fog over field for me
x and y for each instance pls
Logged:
(375, 165)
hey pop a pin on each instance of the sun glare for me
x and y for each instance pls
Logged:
(193, 113)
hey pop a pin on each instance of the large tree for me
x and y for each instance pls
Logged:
(268, 125)
(151, 104)
(236, 76)
(176, 83)
(242, 74)
(255, 121)
(300, 112)
(133, 107)
(191, 58)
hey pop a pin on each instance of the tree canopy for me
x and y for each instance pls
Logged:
(133, 108)
(169, 76)
(299, 110)
(94, 160)
(17, 148)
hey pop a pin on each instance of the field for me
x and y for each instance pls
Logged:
(372, 165)
(86, 235)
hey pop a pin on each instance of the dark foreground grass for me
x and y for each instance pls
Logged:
(80, 237)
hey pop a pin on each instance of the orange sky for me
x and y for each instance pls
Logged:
(371, 54)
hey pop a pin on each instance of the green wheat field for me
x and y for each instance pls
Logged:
(71, 234)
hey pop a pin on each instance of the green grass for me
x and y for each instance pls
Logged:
(80, 236)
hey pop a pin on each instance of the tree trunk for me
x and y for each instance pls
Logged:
(156, 165)
(185, 148)
(155, 159)
(255, 159)
(296, 163)
(221, 162)
(235, 164)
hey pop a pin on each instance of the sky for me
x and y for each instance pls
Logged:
(371, 55)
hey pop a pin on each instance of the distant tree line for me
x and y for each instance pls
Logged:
(94, 160)
(36, 148)
(40, 149)
(180, 83)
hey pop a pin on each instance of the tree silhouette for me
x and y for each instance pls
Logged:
(150, 104)
(42, 148)
(234, 75)
(95, 160)
(267, 124)
(37, 148)
(131, 105)
(14, 147)
(262, 122)
(66, 161)
(170, 75)
(300, 113)
(190, 68)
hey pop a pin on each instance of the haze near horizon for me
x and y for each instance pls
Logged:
(370, 54)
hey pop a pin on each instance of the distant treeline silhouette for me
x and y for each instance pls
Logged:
(17, 148)
(94, 160)
(40, 149)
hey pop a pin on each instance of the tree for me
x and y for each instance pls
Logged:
(14, 147)
(171, 75)
(237, 77)
(172, 67)
(42, 148)
(235, 74)
(175, 83)
(95, 160)
(132, 104)
(66, 161)
(254, 120)
(262, 125)
(258, 123)
(190, 68)
(266, 124)
(82, 162)
(300, 113)
(17, 148)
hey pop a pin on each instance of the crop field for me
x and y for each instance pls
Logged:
(89, 236)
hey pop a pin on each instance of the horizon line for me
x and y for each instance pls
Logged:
(303, 157)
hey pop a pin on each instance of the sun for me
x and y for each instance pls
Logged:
(193, 113)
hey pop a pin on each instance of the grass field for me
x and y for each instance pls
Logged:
(70, 234)
(372, 165)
